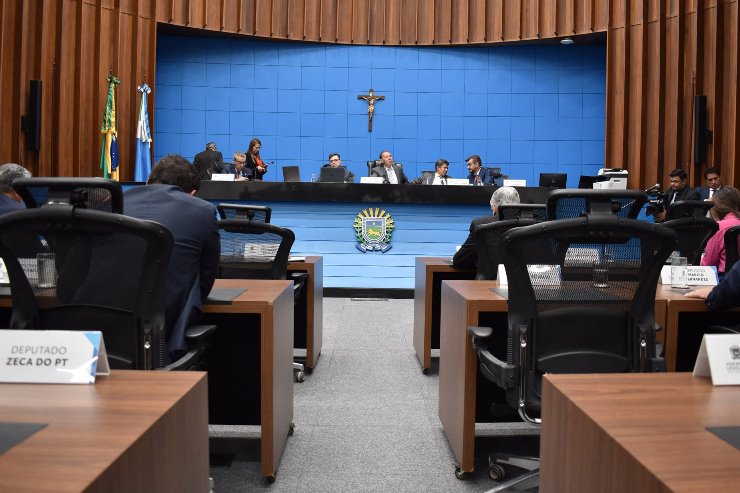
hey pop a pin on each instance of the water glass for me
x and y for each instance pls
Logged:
(678, 272)
(47, 270)
(314, 178)
(601, 272)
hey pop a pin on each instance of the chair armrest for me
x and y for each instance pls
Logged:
(499, 372)
(480, 332)
(199, 333)
(299, 280)
(196, 336)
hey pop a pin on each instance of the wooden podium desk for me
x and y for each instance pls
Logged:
(309, 327)
(428, 276)
(272, 302)
(463, 303)
(131, 431)
(637, 432)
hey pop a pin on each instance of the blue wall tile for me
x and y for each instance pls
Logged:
(217, 122)
(242, 76)
(569, 152)
(335, 125)
(499, 128)
(546, 127)
(475, 127)
(522, 104)
(169, 97)
(476, 104)
(218, 98)
(288, 77)
(522, 128)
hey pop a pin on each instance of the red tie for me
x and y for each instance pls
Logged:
(476, 179)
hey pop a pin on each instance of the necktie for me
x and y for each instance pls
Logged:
(392, 175)
(475, 180)
(711, 192)
(444, 180)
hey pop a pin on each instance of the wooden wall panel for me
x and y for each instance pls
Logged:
(660, 53)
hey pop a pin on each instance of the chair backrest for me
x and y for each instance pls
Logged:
(373, 164)
(253, 250)
(259, 213)
(98, 194)
(487, 238)
(522, 211)
(99, 271)
(688, 208)
(569, 203)
(498, 177)
(563, 319)
(732, 251)
(693, 235)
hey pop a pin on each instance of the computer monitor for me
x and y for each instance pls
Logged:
(553, 180)
(291, 173)
(332, 175)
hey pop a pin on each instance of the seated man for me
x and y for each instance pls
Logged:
(335, 161)
(169, 199)
(724, 295)
(390, 172)
(238, 167)
(478, 175)
(439, 177)
(466, 257)
(679, 190)
(10, 201)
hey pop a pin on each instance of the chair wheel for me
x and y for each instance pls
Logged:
(300, 376)
(424, 371)
(496, 472)
(291, 430)
(270, 479)
(460, 474)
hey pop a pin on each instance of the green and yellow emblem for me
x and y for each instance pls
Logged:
(374, 229)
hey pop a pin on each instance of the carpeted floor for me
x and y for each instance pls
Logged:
(365, 420)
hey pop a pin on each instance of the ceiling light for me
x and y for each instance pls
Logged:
(566, 41)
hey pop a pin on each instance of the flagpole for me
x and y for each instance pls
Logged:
(143, 163)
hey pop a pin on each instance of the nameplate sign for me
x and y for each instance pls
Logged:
(696, 275)
(719, 357)
(52, 356)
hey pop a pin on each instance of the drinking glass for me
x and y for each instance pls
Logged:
(678, 272)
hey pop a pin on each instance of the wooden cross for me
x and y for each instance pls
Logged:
(370, 98)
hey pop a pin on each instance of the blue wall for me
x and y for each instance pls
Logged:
(526, 109)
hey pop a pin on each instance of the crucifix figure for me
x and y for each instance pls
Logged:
(370, 98)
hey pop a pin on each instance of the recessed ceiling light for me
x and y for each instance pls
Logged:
(566, 41)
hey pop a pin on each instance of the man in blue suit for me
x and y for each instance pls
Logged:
(10, 201)
(712, 177)
(169, 199)
(478, 174)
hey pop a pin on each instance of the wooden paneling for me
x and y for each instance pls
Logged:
(660, 54)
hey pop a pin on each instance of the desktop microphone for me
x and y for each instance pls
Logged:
(653, 189)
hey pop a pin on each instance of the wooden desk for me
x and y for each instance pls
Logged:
(309, 320)
(637, 432)
(463, 303)
(132, 431)
(428, 276)
(271, 302)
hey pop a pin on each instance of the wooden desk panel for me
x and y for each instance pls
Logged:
(131, 431)
(273, 302)
(637, 432)
(429, 273)
(463, 302)
(314, 323)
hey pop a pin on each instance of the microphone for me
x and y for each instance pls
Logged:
(654, 188)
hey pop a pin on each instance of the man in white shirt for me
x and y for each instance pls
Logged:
(391, 173)
(439, 177)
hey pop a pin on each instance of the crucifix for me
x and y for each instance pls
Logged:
(370, 98)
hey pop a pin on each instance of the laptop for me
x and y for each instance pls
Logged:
(291, 173)
(332, 175)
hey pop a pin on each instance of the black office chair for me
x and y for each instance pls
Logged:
(373, 164)
(688, 208)
(563, 319)
(422, 176)
(98, 194)
(487, 237)
(259, 213)
(254, 250)
(732, 251)
(569, 203)
(522, 211)
(693, 234)
(108, 274)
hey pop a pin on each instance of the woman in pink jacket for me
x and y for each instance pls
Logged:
(726, 212)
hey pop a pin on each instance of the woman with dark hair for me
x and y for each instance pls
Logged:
(254, 161)
(726, 212)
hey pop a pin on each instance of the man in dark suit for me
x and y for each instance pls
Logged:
(335, 161)
(10, 201)
(238, 167)
(711, 175)
(439, 177)
(679, 190)
(208, 162)
(169, 199)
(478, 175)
(466, 257)
(724, 295)
(390, 172)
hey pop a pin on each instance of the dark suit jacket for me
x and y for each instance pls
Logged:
(195, 255)
(467, 257)
(427, 179)
(687, 193)
(727, 293)
(7, 204)
(485, 176)
(349, 177)
(229, 168)
(703, 192)
(251, 167)
(208, 160)
(381, 172)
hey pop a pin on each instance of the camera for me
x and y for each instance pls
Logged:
(656, 204)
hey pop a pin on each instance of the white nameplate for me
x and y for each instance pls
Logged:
(378, 180)
(696, 275)
(458, 181)
(719, 357)
(52, 356)
(515, 183)
(222, 177)
(501, 275)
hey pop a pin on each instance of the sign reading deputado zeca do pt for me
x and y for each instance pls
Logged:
(51, 356)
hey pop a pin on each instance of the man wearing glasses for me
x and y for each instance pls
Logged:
(335, 160)
(237, 167)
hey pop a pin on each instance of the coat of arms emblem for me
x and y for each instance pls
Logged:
(374, 228)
